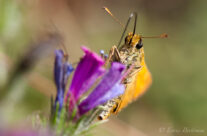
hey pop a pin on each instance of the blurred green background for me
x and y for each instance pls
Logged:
(177, 98)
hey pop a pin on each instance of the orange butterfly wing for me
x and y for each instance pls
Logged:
(140, 83)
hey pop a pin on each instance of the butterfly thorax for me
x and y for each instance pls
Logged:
(131, 53)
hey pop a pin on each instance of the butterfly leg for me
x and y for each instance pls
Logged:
(131, 72)
(114, 55)
(135, 70)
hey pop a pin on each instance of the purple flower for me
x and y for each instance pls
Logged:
(62, 70)
(108, 88)
(86, 74)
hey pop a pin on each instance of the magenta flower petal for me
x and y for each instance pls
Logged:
(86, 74)
(108, 88)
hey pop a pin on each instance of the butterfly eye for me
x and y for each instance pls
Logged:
(139, 44)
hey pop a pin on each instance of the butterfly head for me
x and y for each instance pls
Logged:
(134, 41)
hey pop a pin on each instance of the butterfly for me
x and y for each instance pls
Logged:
(138, 78)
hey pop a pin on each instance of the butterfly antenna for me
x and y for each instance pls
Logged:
(110, 13)
(159, 36)
(134, 14)
(135, 22)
